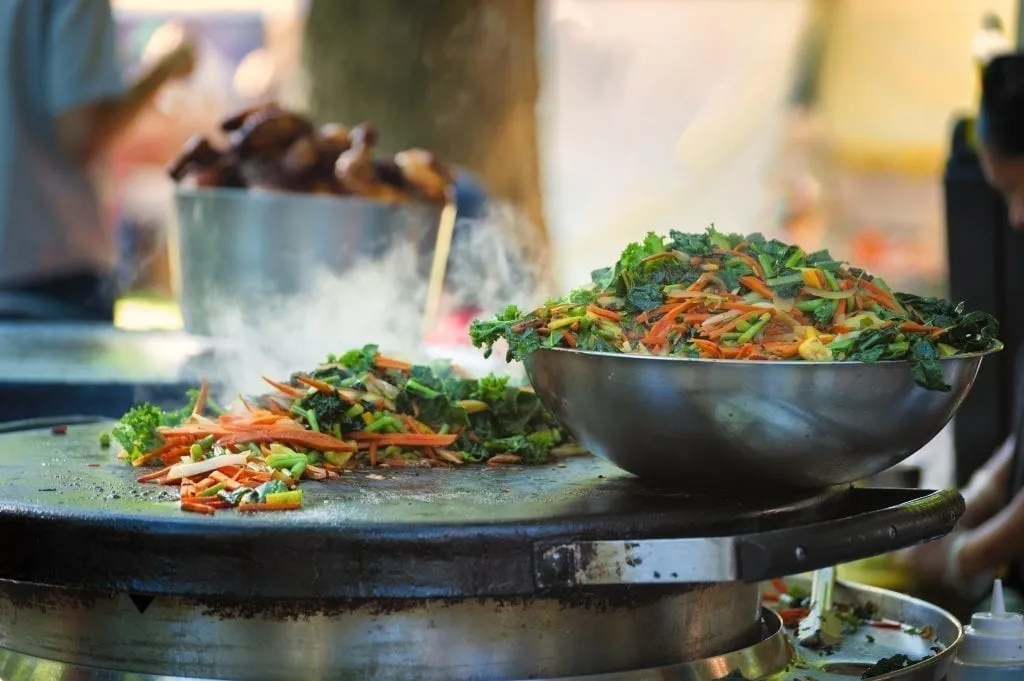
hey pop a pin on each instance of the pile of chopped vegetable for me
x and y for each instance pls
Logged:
(719, 296)
(359, 409)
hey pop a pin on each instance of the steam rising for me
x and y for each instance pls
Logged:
(493, 262)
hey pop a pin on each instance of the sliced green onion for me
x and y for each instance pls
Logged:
(564, 321)
(754, 329)
(212, 490)
(312, 421)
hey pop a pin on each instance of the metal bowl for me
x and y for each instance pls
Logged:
(240, 248)
(703, 425)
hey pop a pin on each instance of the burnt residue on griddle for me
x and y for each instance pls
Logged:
(51, 599)
(600, 600)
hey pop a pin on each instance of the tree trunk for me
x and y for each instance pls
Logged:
(458, 77)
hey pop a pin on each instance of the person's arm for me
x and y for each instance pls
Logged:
(986, 492)
(964, 558)
(996, 542)
(83, 78)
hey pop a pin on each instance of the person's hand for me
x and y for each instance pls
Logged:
(965, 560)
(940, 563)
(180, 62)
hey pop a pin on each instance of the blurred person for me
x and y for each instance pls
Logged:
(990, 536)
(62, 103)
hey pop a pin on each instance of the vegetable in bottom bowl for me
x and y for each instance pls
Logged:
(726, 296)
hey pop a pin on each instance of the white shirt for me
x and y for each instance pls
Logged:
(55, 55)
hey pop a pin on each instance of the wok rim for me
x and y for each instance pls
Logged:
(759, 363)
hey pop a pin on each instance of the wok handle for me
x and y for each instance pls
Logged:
(925, 516)
(870, 522)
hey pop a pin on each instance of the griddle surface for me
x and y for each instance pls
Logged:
(72, 514)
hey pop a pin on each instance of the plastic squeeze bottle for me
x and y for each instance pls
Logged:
(993, 645)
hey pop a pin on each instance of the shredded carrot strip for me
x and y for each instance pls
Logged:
(840, 312)
(879, 295)
(601, 312)
(757, 286)
(407, 439)
(229, 483)
(153, 476)
(382, 362)
(325, 388)
(174, 455)
(920, 328)
(285, 388)
(754, 265)
(708, 348)
(204, 394)
(192, 507)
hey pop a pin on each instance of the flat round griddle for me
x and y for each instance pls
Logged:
(71, 514)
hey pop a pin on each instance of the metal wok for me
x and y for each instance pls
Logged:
(704, 425)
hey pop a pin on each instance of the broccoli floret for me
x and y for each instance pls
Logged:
(137, 430)
(330, 411)
(490, 388)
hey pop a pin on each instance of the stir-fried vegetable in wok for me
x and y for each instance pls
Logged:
(720, 296)
(359, 409)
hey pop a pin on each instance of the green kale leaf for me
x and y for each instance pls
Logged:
(926, 367)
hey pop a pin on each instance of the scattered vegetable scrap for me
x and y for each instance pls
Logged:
(887, 665)
(359, 409)
(791, 602)
(719, 296)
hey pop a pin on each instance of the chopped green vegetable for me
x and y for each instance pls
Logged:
(887, 665)
(136, 431)
(671, 296)
(270, 487)
(212, 491)
(494, 416)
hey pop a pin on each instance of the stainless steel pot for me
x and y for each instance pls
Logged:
(238, 249)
